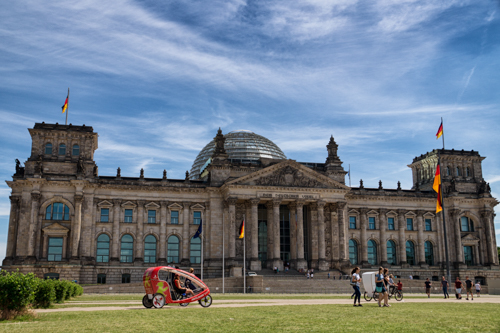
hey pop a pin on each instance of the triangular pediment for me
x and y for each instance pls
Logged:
(288, 174)
(129, 204)
(55, 229)
(105, 203)
(152, 205)
(197, 206)
(469, 238)
(175, 206)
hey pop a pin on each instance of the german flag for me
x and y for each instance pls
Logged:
(65, 106)
(440, 131)
(437, 188)
(242, 229)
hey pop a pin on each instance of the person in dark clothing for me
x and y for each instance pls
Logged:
(445, 285)
(468, 285)
(355, 278)
(428, 285)
(458, 288)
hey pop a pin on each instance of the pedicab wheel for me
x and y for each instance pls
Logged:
(158, 301)
(399, 296)
(148, 303)
(183, 304)
(206, 301)
(367, 298)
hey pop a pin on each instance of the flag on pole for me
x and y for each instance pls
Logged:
(437, 188)
(65, 106)
(440, 131)
(199, 231)
(242, 229)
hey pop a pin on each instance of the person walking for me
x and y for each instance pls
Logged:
(355, 278)
(380, 288)
(458, 288)
(445, 285)
(386, 283)
(428, 285)
(478, 288)
(468, 285)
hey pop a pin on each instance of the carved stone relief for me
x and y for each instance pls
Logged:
(289, 176)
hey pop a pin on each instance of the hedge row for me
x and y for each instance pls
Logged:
(20, 291)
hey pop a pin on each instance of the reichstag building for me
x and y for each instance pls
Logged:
(68, 221)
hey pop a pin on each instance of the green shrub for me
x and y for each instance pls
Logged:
(45, 294)
(70, 290)
(61, 288)
(79, 290)
(17, 292)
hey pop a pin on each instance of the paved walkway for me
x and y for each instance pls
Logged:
(238, 303)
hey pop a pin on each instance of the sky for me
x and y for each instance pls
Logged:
(156, 79)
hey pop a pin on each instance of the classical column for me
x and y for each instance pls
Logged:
(383, 237)
(232, 227)
(402, 237)
(292, 206)
(12, 236)
(185, 233)
(115, 253)
(45, 245)
(76, 227)
(455, 222)
(313, 236)
(35, 200)
(364, 245)
(65, 246)
(322, 263)
(486, 216)
(343, 238)
(255, 264)
(301, 263)
(420, 237)
(207, 226)
(88, 221)
(276, 234)
(163, 232)
(477, 261)
(270, 235)
(248, 232)
(139, 246)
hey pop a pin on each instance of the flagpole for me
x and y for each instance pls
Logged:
(349, 175)
(244, 259)
(442, 131)
(67, 108)
(448, 275)
(202, 241)
(223, 247)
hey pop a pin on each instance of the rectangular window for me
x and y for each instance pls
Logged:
(174, 217)
(468, 256)
(101, 278)
(196, 217)
(151, 216)
(371, 223)
(125, 278)
(428, 225)
(390, 223)
(55, 249)
(352, 222)
(104, 215)
(128, 215)
(409, 224)
(464, 223)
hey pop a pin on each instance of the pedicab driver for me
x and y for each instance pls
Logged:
(179, 288)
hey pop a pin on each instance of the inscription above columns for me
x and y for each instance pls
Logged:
(288, 196)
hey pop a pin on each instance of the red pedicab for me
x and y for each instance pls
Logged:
(161, 292)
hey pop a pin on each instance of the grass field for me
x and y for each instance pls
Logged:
(401, 317)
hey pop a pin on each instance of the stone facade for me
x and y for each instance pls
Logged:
(66, 219)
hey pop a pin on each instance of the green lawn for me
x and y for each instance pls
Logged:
(401, 317)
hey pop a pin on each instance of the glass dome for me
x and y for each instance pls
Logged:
(241, 145)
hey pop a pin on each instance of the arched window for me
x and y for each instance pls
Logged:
(62, 149)
(410, 253)
(150, 249)
(195, 250)
(467, 172)
(372, 252)
(458, 171)
(173, 249)
(429, 253)
(57, 211)
(391, 252)
(353, 252)
(76, 150)
(127, 249)
(102, 248)
(448, 171)
(48, 149)
(466, 224)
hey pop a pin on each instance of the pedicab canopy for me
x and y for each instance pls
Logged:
(154, 285)
(369, 282)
